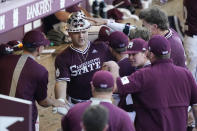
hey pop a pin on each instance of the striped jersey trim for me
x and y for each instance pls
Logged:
(169, 34)
(63, 79)
(77, 50)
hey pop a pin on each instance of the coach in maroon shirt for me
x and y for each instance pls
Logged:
(161, 93)
(102, 85)
(157, 22)
(33, 80)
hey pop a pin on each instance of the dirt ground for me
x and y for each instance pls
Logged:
(50, 121)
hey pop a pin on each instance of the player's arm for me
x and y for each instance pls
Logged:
(112, 67)
(60, 89)
(126, 28)
(60, 95)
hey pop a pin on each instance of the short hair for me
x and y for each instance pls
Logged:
(156, 16)
(167, 56)
(95, 118)
(30, 49)
(140, 32)
(103, 90)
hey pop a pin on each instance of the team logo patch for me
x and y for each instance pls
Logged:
(124, 80)
(130, 45)
(57, 72)
(103, 85)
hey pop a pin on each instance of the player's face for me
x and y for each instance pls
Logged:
(79, 39)
(137, 59)
(151, 27)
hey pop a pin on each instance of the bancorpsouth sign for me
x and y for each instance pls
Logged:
(39, 9)
(28, 11)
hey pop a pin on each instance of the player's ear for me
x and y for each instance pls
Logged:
(155, 25)
(92, 86)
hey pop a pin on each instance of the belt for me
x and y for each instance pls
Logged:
(75, 101)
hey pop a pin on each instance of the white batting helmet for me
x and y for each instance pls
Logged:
(77, 22)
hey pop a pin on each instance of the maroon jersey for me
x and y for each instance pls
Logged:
(161, 95)
(191, 17)
(123, 104)
(177, 50)
(118, 119)
(32, 83)
(77, 68)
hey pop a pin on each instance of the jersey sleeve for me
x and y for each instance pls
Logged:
(62, 69)
(41, 91)
(130, 84)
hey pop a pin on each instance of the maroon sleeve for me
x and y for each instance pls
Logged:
(61, 68)
(130, 84)
(193, 99)
(41, 92)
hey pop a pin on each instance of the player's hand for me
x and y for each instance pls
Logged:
(111, 66)
(61, 108)
(97, 21)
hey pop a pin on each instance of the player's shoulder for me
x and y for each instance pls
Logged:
(114, 108)
(31, 63)
(64, 54)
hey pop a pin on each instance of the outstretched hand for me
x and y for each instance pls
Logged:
(61, 106)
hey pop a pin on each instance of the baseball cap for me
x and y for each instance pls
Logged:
(118, 41)
(104, 33)
(115, 14)
(159, 45)
(103, 79)
(77, 22)
(33, 39)
(136, 45)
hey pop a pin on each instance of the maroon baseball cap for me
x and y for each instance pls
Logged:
(159, 45)
(115, 14)
(118, 41)
(136, 45)
(104, 33)
(33, 39)
(103, 79)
